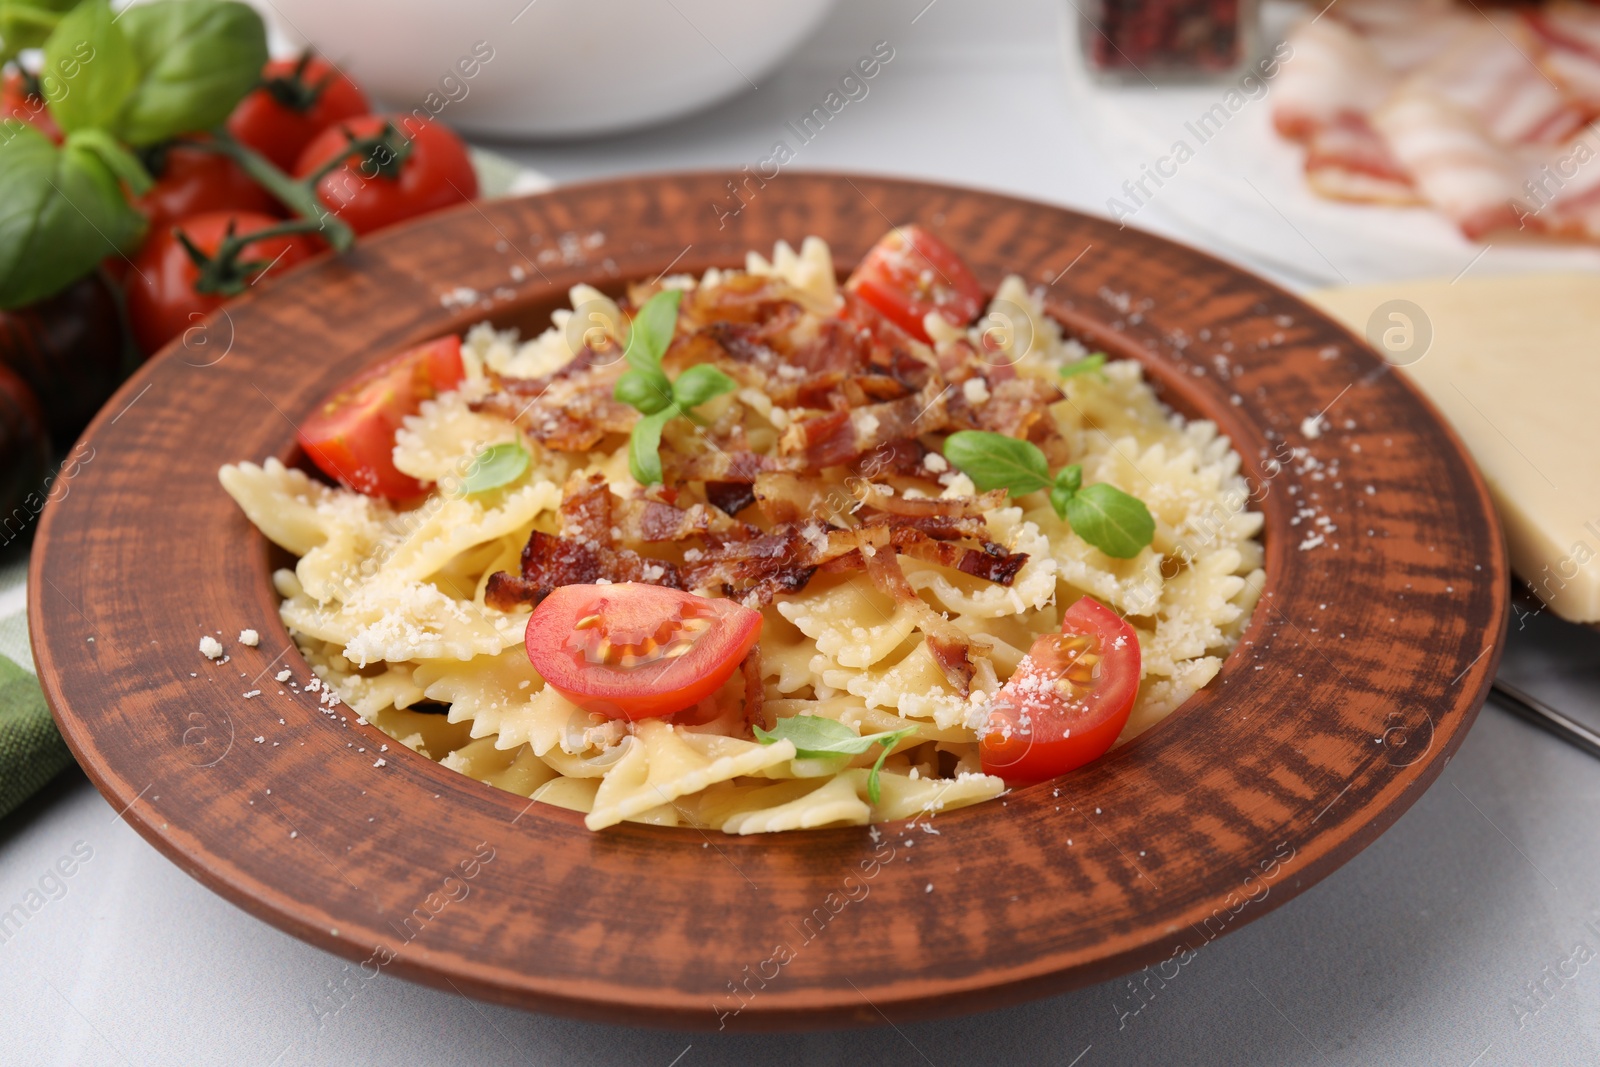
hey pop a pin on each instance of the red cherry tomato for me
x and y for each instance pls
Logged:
(634, 651)
(193, 181)
(1068, 699)
(20, 100)
(350, 437)
(298, 99)
(162, 299)
(909, 273)
(425, 168)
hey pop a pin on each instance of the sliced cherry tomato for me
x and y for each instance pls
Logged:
(420, 167)
(634, 651)
(21, 99)
(350, 437)
(163, 298)
(909, 273)
(298, 99)
(192, 181)
(1068, 699)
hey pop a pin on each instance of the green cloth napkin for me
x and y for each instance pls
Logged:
(31, 750)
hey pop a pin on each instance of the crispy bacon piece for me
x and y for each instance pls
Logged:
(723, 466)
(755, 712)
(730, 497)
(549, 562)
(884, 498)
(840, 436)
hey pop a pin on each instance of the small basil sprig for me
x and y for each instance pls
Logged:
(1103, 515)
(27, 24)
(646, 387)
(496, 466)
(816, 737)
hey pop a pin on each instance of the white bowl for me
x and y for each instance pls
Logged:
(555, 68)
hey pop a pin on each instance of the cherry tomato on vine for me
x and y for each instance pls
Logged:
(21, 99)
(394, 167)
(636, 651)
(192, 181)
(1068, 699)
(298, 99)
(909, 273)
(350, 437)
(169, 292)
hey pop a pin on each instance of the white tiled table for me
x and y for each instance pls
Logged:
(1414, 953)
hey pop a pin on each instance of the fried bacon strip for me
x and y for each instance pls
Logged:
(755, 713)
(840, 436)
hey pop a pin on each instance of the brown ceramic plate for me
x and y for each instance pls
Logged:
(1365, 663)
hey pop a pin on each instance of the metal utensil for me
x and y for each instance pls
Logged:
(1543, 715)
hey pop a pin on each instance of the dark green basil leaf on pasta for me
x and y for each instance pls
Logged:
(700, 383)
(995, 461)
(644, 446)
(89, 68)
(652, 331)
(646, 391)
(1112, 521)
(62, 213)
(196, 60)
(496, 466)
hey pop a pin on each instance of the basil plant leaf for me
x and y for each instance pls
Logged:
(646, 391)
(995, 461)
(1089, 364)
(89, 68)
(1112, 521)
(62, 213)
(196, 60)
(28, 23)
(700, 383)
(652, 331)
(496, 466)
(644, 446)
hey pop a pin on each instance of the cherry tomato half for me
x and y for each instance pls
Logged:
(162, 299)
(192, 181)
(298, 99)
(909, 273)
(350, 437)
(423, 169)
(634, 651)
(20, 100)
(1068, 700)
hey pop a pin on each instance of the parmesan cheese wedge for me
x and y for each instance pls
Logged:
(1512, 364)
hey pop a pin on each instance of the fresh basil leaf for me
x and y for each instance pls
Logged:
(1112, 521)
(123, 163)
(995, 461)
(196, 60)
(644, 446)
(496, 466)
(646, 391)
(1060, 497)
(700, 383)
(89, 68)
(28, 24)
(652, 331)
(1089, 364)
(816, 737)
(62, 213)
